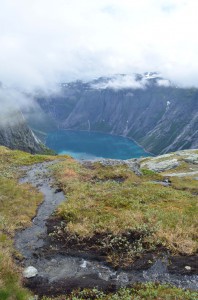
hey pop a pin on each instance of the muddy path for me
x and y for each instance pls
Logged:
(59, 272)
(32, 238)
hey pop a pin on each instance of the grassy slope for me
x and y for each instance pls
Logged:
(114, 200)
(99, 199)
(18, 204)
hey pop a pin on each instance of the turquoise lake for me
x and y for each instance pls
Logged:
(92, 145)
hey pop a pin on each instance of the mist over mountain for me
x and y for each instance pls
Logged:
(157, 114)
(46, 42)
(14, 130)
(43, 42)
(15, 134)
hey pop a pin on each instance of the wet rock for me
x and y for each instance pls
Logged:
(30, 272)
(188, 268)
(34, 298)
(163, 183)
(84, 264)
(123, 278)
(58, 190)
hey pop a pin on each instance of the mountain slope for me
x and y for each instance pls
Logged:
(155, 113)
(15, 134)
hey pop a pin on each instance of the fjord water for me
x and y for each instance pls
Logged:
(92, 145)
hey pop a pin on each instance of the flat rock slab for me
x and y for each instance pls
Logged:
(160, 166)
(186, 174)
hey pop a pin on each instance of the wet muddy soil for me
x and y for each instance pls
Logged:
(91, 247)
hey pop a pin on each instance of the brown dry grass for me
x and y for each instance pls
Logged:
(101, 204)
(18, 205)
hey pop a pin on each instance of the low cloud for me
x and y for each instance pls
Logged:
(11, 103)
(163, 82)
(43, 42)
(121, 82)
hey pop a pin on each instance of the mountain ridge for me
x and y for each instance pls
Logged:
(157, 114)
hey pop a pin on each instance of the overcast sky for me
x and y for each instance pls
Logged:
(46, 41)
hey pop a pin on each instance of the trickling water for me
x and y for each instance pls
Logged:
(33, 237)
(62, 267)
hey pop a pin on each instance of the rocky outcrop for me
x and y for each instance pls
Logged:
(133, 164)
(160, 117)
(178, 164)
(161, 165)
(30, 272)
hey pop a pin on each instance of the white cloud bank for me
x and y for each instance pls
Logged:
(163, 82)
(10, 103)
(47, 41)
(121, 82)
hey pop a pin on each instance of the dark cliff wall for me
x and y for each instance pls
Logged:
(15, 134)
(160, 118)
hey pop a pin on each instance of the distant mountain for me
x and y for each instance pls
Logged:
(15, 134)
(157, 114)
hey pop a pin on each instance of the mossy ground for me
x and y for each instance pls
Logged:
(185, 183)
(139, 292)
(18, 204)
(133, 213)
(11, 160)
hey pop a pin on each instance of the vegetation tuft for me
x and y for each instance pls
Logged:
(149, 291)
(101, 206)
(18, 205)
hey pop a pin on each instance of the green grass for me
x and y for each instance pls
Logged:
(185, 184)
(18, 204)
(98, 203)
(147, 291)
(112, 201)
(11, 160)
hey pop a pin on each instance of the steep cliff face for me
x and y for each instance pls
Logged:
(15, 134)
(156, 114)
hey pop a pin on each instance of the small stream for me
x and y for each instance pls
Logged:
(73, 269)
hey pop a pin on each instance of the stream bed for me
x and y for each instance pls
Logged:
(60, 273)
